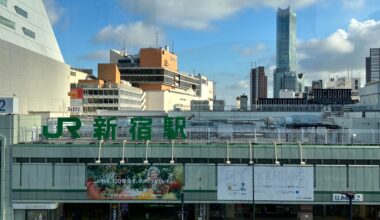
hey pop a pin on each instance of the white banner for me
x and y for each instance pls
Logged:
(234, 182)
(272, 183)
(276, 183)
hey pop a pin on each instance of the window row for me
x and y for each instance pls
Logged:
(101, 92)
(100, 101)
(93, 109)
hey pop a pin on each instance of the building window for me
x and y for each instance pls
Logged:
(3, 2)
(28, 32)
(7, 22)
(21, 12)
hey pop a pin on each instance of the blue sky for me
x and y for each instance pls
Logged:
(220, 38)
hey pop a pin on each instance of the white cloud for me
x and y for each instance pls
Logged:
(250, 51)
(198, 14)
(342, 50)
(100, 55)
(136, 34)
(54, 11)
(353, 4)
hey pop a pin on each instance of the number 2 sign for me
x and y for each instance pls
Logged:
(8, 105)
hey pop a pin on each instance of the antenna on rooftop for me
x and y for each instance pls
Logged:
(156, 39)
(123, 50)
(172, 46)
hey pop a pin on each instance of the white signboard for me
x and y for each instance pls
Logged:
(9, 105)
(343, 198)
(272, 183)
(234, 182)
(276, 183)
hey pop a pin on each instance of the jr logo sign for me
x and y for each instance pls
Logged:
(74, 126)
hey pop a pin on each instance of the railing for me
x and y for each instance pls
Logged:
(214, 135)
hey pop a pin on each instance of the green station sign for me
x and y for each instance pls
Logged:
(104, 128)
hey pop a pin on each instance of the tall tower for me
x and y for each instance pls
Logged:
(258, 84)
(285, 48)
(286, 40)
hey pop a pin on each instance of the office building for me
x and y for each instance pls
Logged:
(289, 81)
(317, 84)
(155, 71)
(242, 102)
(285, 76)
(32, 67)
(286, 40)
(373, 65)
(258, 84)
(345, 82)
(108, 92)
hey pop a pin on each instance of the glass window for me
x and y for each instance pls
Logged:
(29, 33)
(3, 2)
(21, 12)
(7, 22)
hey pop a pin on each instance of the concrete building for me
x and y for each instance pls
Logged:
(242, 102)
(345, 82)
(76, 75)
(373, 65)
(108, 92)
(287, 94)
(258, 84)
(155, 71)
(32, 66)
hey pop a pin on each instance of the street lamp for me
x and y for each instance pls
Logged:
(250, 153)
(122, 161)
(172, 160)
(228, 155)
(275, 153)
(251, 159)
(350, 195)
(301, 153)
(100, 151)
(146, 152)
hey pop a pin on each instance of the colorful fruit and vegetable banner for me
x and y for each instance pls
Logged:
(134, 182)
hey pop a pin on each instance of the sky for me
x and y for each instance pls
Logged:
(221, 39)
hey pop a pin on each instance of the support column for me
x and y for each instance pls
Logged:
(230, 211)
(6, 211)
(305, 212)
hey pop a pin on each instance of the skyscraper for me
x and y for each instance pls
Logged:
(285, 51)
(258, 84)
(286, 40)
(373, 66)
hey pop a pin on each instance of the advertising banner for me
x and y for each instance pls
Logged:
(234, 182)
(134, 182)
(272, 183)
(277, 183)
